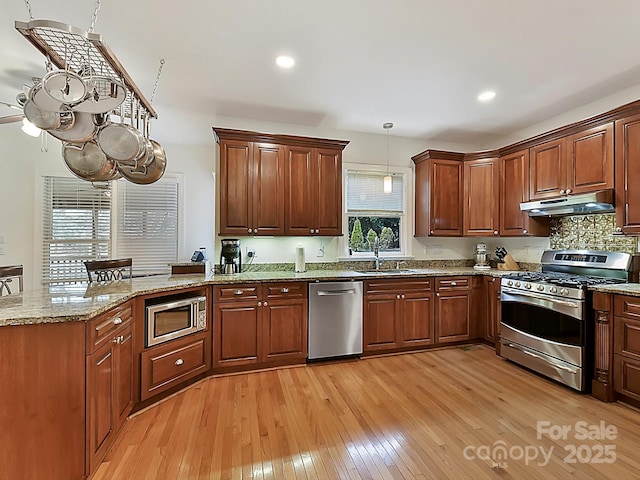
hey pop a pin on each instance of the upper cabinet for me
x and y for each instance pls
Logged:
(514, 189)
(578, 163)
(481, 202)
(627, 171)
(439, 193)
(279, 184)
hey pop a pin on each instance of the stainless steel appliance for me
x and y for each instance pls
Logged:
(547, 320)
(230, 256)
(481, 257)
(175, 318)
(335, 319)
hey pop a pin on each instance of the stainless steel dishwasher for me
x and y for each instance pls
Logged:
(335, 319)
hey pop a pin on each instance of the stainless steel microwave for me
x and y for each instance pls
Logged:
(175, 319)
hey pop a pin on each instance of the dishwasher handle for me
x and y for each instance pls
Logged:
(346, 291)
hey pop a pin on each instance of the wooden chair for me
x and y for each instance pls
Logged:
(8, 275)
(109, 270)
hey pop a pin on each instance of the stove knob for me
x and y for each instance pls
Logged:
(564, 291)
(527, 286)
(553, 290)
(509, 283)
(540, 288)
(517, 284)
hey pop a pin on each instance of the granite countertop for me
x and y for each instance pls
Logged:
(632, 289)
(81, 301)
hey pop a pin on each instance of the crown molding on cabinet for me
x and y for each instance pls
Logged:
(244, 135)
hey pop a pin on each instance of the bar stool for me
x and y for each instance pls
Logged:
(8, 275)
(109, 270)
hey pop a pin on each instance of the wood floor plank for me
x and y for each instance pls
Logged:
(425, 415)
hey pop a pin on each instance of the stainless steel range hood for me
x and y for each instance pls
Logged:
(597, 202)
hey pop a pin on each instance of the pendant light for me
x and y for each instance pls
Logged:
(387, 181)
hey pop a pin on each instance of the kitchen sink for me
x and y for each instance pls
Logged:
(383, 272)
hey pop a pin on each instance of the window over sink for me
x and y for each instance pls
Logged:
(371, 213)
(81, 222)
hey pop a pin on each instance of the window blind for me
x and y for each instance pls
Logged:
(76, 227)
(364, 193)
(147, 225)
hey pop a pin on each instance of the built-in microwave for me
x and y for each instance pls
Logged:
(174, 319)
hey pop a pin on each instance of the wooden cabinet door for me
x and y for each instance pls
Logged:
(627, 166)
(380, 327)
(481, 206)
(514, 189)
(547, 170)
(452, 317)
(300, 182)
(267, 189)
(236, 200)
(284, 330)
(492, 309)
(590, 157)
(416, 314)
(125, 392)
(236, 330)
(446, 193)
(328, 200)
(102, 413)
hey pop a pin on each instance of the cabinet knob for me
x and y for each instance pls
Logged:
(249, 230)
(317, 230)
(398, 297)
(431, 232)
(259, 304)
(525, 231)
(561, 192)
(568, 191)
(118, 340)
(311, 230)
(265, 304)
(179, 362)
(495, 232)
(454, 284)
(402, 296)
(284, 290)
(238, 292)
(437, 294)
(255, 230)
(618, 229)
(117, 321)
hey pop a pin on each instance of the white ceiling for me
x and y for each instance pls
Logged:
(360, 63)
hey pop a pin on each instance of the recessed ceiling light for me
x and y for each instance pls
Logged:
(285, 62)
(486, 96)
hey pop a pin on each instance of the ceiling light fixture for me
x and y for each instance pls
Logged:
(284, 61)
(486, 96)
(29, 128)
(387, 181)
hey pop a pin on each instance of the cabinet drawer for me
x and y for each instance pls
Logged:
(103, 328)
(626, 336)
(235, 292)
(285, 290)
(626, 306)
(626, 376)
(171, 364)
(401, 286)
(452, 283)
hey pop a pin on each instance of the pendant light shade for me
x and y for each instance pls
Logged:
(387, 181)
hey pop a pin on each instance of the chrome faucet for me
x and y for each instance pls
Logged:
(376, 252)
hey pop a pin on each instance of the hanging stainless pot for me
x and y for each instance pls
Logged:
(83, 129)
(122, 142)
(64, 86)
(88, 162)
(103, 95)
(149, 173)
(47, 120)
(43, 100)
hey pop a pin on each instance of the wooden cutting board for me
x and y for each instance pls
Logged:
(509, 263)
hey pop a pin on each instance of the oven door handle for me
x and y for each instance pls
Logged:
(531, 354)
(566, 303)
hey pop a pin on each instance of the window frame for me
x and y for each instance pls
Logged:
(406, 222)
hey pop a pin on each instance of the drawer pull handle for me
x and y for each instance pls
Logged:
(118, 340)
(179, 362)
(117, 321)
(238, 292)
(284, 290)
(454, 284)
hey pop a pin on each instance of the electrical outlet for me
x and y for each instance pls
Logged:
(320, 251)
(251, 253)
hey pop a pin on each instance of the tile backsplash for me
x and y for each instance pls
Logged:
(593, 232)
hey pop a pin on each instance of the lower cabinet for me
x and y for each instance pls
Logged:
(109, 381)
(397, 314)
(260, 325)
(626, 347)
(453, 300)
(491, 310)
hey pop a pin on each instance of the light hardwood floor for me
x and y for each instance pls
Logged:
(424, 415)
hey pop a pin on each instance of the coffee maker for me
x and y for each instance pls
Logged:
(230, 256)
(481, 257)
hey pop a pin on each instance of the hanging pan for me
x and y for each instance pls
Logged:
(124, 143)
(47, 120)
(104, 94)
(83, 129)
(88, 162)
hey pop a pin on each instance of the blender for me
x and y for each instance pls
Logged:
(481, 257)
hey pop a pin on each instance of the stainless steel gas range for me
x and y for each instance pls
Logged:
(547, 320)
